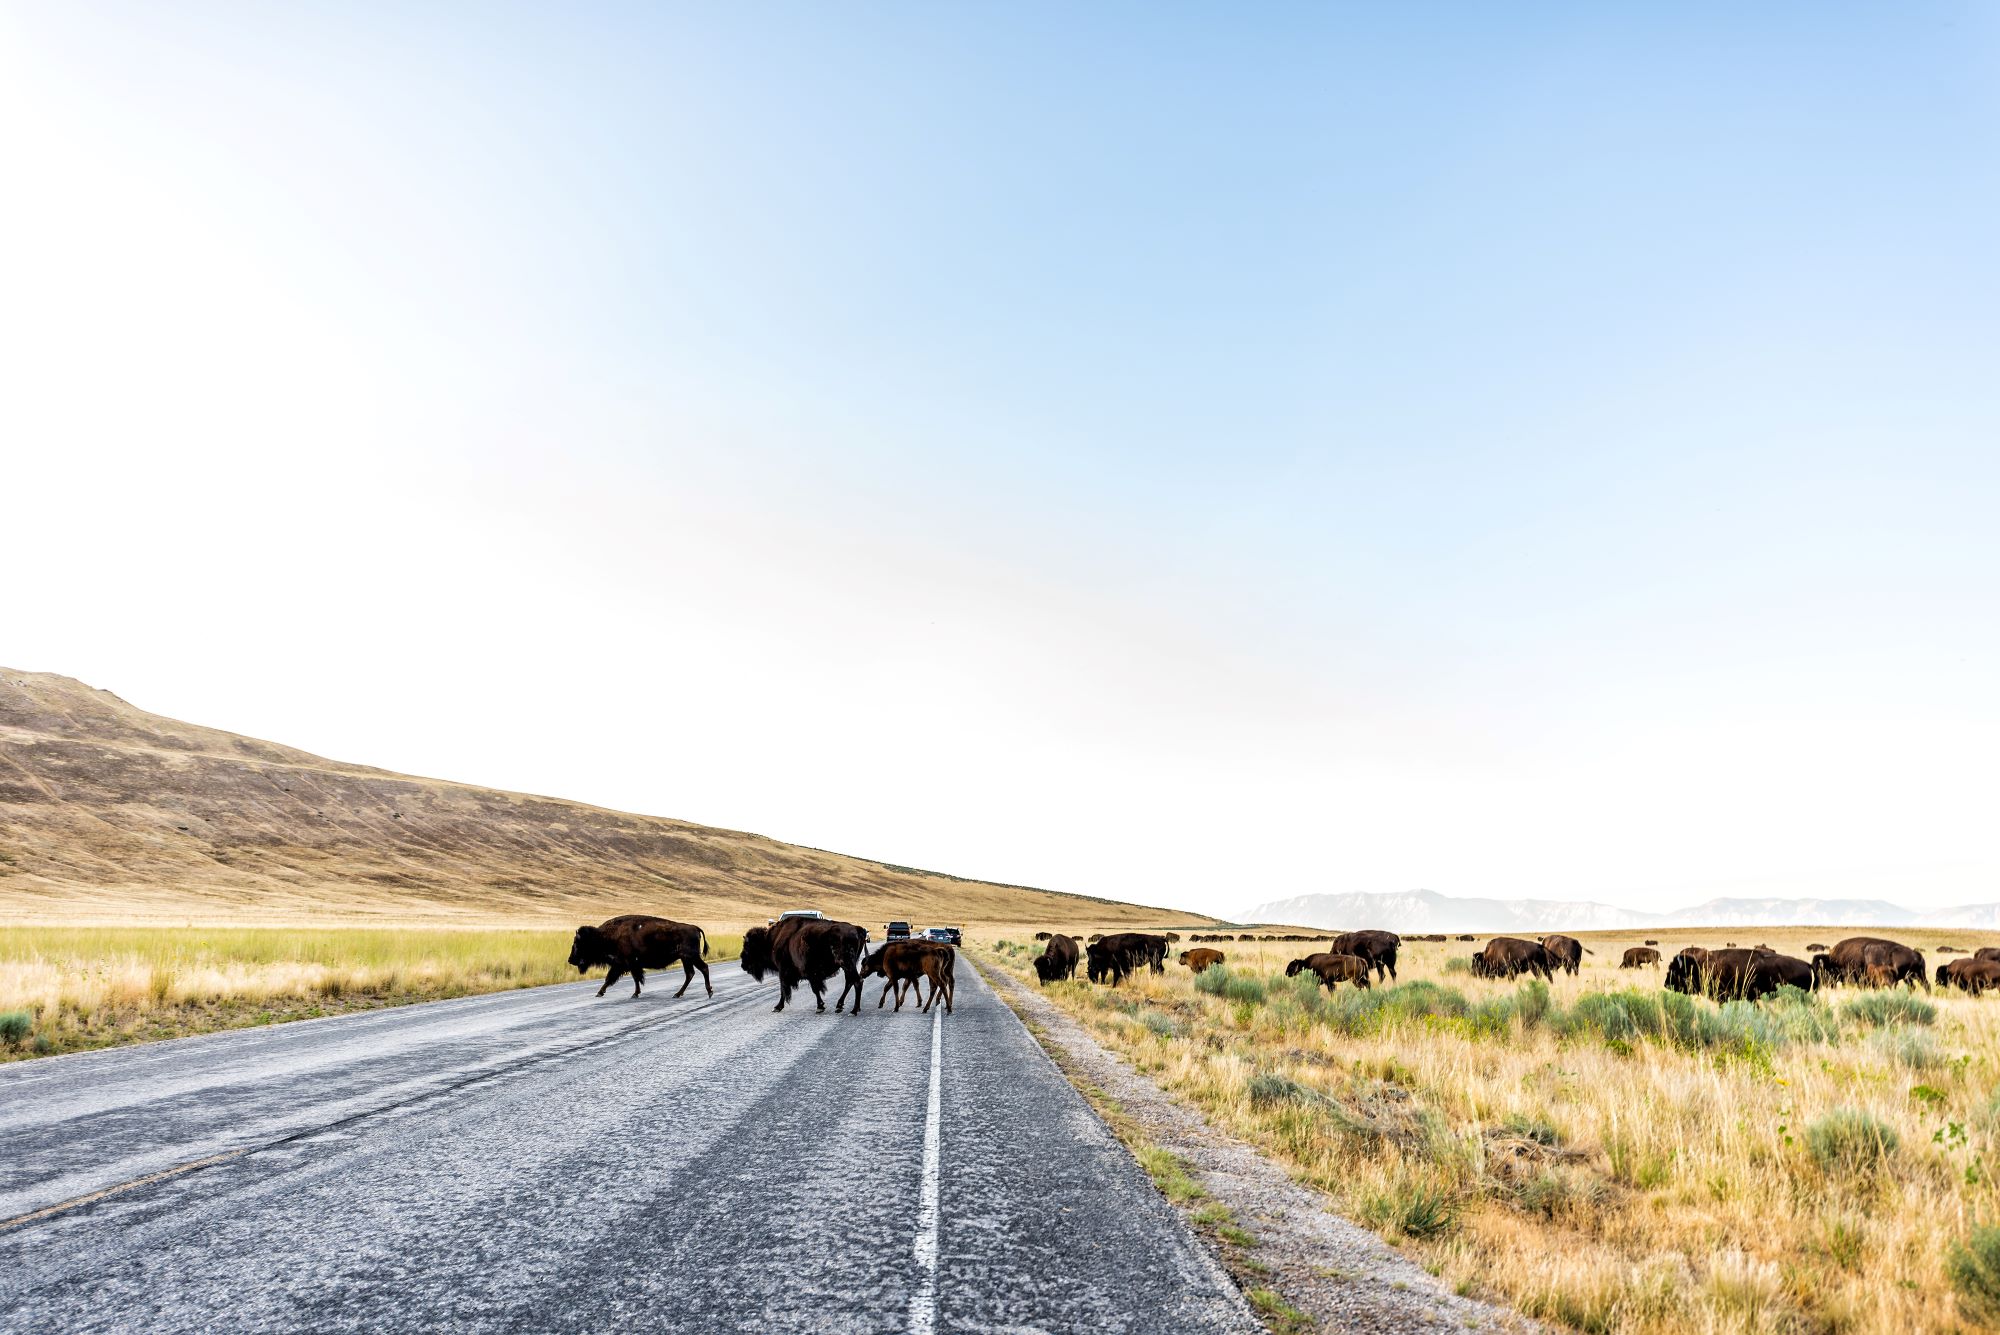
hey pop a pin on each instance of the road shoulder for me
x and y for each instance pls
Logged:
(1308, 1270)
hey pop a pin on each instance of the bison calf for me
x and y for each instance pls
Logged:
(1202, 960)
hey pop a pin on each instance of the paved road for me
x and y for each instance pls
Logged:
(544, 1161)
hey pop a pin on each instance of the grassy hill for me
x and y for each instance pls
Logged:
(111, 814)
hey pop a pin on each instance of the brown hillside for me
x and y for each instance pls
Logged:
(108, 813)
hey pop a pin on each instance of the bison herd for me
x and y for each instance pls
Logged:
(812, 951)
(798, 950)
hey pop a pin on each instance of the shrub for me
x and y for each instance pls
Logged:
(1214, 979)
(1848, 1139)
(1242, 987)
(1531, 1002)
(1533, 1126)
(15, 1026)
(1267, 1089)
(1458, 964)
(1894, 1007)
(1611, 1015)
(1163, 1024)
(1412, 1207)
(1912, 1048)
(1974, 1269)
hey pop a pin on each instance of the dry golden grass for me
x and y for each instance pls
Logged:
(69, 988)
(1618, 1164)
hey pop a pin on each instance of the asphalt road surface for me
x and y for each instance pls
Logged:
(545, 1161)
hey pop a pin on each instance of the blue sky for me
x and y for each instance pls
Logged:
(1199, 453)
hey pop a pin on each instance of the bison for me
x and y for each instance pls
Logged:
(908, 964)
(1987, 953)
(1566, 951)
(1510, 957)
(1732, 974)
(1770, 971)
(1335, 969)
(809, 950)
(1377, 948)
(1637, 957)
(1202, 960)
(1872, 959)
(1123, 953)
(634, 943)
(1057, 960)
(1975, 975)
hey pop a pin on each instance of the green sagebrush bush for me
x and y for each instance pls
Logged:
(1850, 1140)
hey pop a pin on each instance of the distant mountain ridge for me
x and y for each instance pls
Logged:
(1429, 911)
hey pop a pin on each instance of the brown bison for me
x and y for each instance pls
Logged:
(1651, 942)
(1566, 951)
(1467, 936)
(1043, 936)
(1202, 960)
(1637, 957)
(1510, 957)
(1378, 948)
(1057, 960)
(1816, 946)
(1972, 975)
(1722, 974)
(1770, 971)
(634, 943)
(909, 964)
(1335, 969)
(1872, 960)
(809, 950)
(1987, 953)
(1733, 974)
(1123, 953)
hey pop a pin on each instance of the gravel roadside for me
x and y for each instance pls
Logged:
(1331, 1274)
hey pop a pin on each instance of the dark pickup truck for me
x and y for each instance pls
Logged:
(899, 931)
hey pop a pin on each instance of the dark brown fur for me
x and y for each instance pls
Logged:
(809, 950)
(634, 943)
(1058, 959)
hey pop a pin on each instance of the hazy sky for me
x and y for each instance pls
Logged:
(1194, 453)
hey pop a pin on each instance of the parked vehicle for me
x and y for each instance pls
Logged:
(950, 936)
(899, 931)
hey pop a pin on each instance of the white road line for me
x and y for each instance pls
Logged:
(923, 1303)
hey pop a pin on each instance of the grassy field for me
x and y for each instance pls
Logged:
(1603, 1154)
(63, 989)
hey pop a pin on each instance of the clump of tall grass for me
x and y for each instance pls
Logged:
(1850, 1140)
(15, 1026)
(1973, 1266)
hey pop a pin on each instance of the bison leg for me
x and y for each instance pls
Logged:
(785, 985)
(688, 965)
(853, 982)
(638, 977)
(819, 991)
(617, 972)
(887, 983)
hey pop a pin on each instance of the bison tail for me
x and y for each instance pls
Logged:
(704, 942)
(1588, 951)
